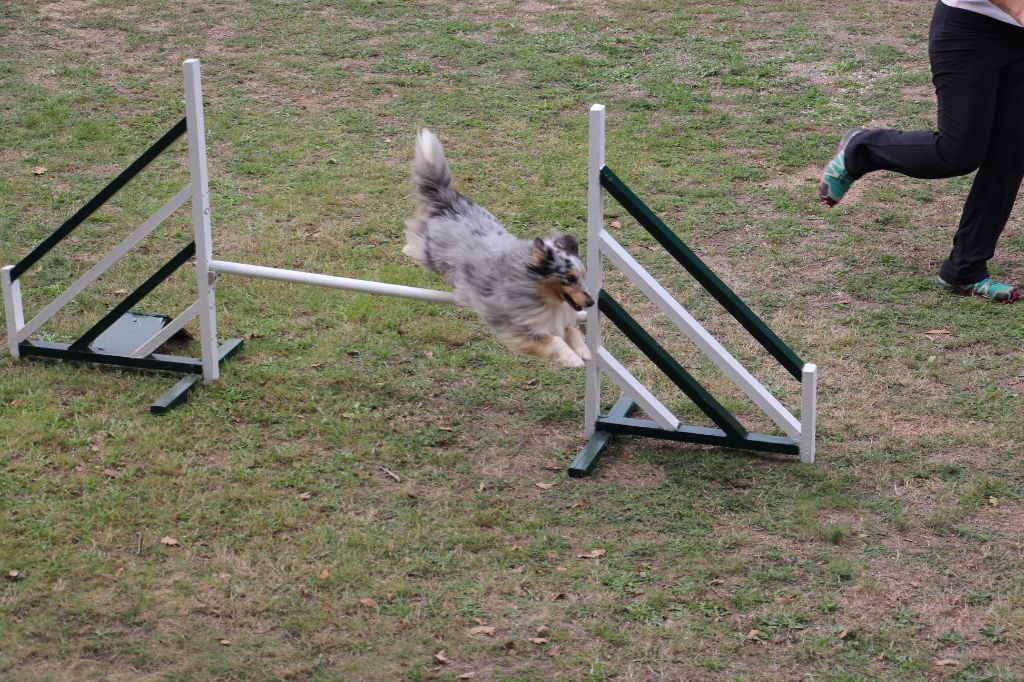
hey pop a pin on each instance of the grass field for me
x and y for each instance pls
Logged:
(376, 490)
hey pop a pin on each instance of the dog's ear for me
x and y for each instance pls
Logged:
(542, 256)
(568, 243)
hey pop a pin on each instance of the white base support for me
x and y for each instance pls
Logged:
(808, 412)
(169, 330)
(636, 391)
(13, 311)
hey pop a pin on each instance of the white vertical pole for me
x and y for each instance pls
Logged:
(13, 311)
(595, 223)
(808, 412)
(201, 218)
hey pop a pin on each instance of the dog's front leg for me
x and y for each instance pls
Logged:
(547, 347)
(575, 339)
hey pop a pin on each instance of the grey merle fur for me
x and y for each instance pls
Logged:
(527, 292)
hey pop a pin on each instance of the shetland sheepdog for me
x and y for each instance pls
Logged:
(527, 292)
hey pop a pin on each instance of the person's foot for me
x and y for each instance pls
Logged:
(986, 288)
(835, 180)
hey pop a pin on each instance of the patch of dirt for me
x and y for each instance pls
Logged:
(68, 16)
(1005, 520)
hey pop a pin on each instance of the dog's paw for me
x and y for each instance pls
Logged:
(570, 360)
(583, 352)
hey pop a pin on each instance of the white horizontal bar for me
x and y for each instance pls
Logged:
(632, 387)
(331, 282)
(707, 343)
(96, 271)
(169, 330)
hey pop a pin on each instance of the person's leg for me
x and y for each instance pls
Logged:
(998, 181)
(966, 81)
(966, 84)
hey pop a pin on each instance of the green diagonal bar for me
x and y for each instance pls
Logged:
(667, 364)
(707, 279)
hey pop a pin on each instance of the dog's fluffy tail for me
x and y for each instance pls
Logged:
(431, 175)
(432, 182)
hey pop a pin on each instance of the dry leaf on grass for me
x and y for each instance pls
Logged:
(593, 554)
(752, 636)
(14, 575)
(616, 223)
(305, 496)
(38, 170)
(933, 334)
(539, 640)
(169, 541)
(224, 642)
(111, 473)
(545, 486)
(441, 657)
(369, 603)
(944, 662)
(487, 630)
(555, 651)
(542, 631)
(557, 596)
(325, 574)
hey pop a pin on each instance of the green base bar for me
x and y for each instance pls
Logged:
(155, 362)
(175, 395)
(698, 434)
(617, 422)
(587, 458)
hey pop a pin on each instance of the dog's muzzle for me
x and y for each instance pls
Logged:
(587, 302)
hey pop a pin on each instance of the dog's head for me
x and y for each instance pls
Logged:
(555, 262)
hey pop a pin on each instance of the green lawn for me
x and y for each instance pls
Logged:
(375, 483)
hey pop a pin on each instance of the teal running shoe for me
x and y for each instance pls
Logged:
(986, 288)
(835, 181)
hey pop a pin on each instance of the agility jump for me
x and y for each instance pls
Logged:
(129, 339)
(600, 428)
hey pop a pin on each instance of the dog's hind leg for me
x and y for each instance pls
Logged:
(575, 339)
(547, 347)
(416, 243)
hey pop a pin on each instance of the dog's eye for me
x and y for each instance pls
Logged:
(570, 280)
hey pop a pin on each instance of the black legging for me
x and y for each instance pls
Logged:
(978, 71)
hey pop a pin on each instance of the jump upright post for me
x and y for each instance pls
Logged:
(601, 428)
